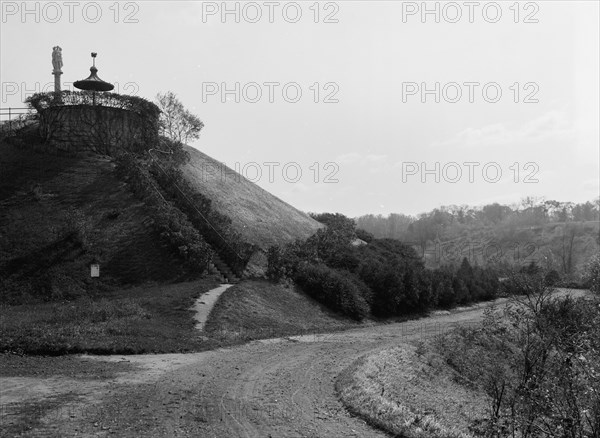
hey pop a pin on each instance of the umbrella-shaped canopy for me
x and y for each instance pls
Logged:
(93, 82)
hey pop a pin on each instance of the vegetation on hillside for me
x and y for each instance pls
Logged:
(258, 309)
(72, 212)
(558, 236)
(186, 217)
(530, 369)
(176, 122)
(409, 396)
(60, 214)
(538, 361)
(172, 225)
(261, 218)
(384, 277)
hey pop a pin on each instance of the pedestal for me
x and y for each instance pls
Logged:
(57, 80)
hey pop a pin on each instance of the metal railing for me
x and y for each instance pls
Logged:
(9, 118)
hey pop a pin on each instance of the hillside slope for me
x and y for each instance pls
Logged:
(59, 214)
(261, 218)
(548, 245)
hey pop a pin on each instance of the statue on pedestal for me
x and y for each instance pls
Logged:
(57, 59)
(57, 63)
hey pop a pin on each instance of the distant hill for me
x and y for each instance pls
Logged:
(261, 218)
(559, 236)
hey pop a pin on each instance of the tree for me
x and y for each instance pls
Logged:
(176, 122)
(423, 231)
(567, 243)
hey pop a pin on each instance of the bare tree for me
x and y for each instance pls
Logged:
(568, 240)
(176, 122)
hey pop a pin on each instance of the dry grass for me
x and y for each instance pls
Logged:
(159, 319)
(261, 218)
(261, 309)
(409, 395)
(46, 199)
(154, 319)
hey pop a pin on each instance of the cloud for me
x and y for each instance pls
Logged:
(349, 158)
(592, 185)
(354, 157)
(550, 126)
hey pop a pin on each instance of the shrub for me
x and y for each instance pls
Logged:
(551, 278)
(171, 152)
(332, 288)
(364, 235)
(390, 275)
(592, 274)
(214, 226)
(522, 284)
(172, 225)
(277, 267)
(443, 289)
(283, 261)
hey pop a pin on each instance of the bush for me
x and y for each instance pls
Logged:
(171, 152)
(592, 274)
(279, 267)
(539, 364)
(172, 225)
(522, 284)
(552, 278)
(332, 288)
(214, 226)
(390, 274)
(364, 235)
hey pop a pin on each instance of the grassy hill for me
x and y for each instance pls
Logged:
(261, 218)
(59, 214)
(259, 309)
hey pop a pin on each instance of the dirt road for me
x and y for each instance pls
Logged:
(272, 388)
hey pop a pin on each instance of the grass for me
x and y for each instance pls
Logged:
(58, 214)
(261, 218)
(159, 319)
(154, 319)
(72, 367)
(409, 395)
(434, 388)
(260, 309)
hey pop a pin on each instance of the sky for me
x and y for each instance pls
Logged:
(353, 107)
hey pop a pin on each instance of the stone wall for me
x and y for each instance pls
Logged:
(105, 130)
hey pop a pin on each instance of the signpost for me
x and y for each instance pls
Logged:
(95, 270)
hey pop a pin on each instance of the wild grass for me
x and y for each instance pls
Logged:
(408, 395)
(155, 319)
(159, 319)
(260, 309)
(260, 217)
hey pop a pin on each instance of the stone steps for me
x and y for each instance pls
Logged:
(219, 267)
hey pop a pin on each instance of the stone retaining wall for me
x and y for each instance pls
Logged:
(105, 130)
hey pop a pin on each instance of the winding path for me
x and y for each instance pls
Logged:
(205, 303)
(272, 388)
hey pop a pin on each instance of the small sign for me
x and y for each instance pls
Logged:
(95, 270)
